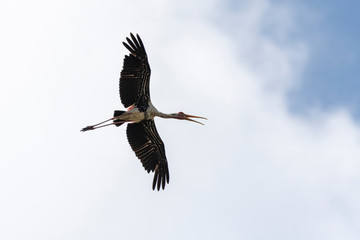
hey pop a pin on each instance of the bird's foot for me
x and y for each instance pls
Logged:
(87, 128)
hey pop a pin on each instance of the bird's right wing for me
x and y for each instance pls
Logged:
(135, 75)
(149, 148)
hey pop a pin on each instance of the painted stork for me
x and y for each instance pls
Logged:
(141, 131)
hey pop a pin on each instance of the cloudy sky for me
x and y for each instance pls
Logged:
(279, 157)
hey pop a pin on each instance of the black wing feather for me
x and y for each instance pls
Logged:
(149, 148)
(135, 75)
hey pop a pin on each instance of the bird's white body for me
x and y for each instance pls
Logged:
(134, 115)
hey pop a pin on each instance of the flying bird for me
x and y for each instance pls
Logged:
(140, 112)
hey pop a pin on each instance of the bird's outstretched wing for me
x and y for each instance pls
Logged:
(149, 148)
(135, 75)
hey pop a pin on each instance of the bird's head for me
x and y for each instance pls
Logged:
(183, 116)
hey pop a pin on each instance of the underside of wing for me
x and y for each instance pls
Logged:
(135, 75)
(149, 148)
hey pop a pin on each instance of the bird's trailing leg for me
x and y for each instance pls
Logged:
(92, 127)
(116, 121)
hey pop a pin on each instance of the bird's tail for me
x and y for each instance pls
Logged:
(117, 121)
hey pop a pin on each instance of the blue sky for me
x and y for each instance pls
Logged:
(277, 159)
(330, 78)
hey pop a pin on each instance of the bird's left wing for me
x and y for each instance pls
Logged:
(149, 148)
(135, 75)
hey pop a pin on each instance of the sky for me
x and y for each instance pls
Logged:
(278, 157)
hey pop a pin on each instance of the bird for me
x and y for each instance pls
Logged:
(139, 115)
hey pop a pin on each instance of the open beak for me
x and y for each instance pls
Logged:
(188, 117)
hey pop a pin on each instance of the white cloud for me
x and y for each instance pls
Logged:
(254, 171)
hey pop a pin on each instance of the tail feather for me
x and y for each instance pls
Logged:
(118, 113)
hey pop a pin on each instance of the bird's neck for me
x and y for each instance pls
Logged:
(164, 115)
